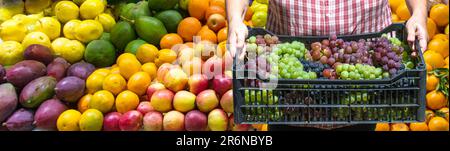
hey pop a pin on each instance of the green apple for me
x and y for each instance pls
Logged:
(183, 4)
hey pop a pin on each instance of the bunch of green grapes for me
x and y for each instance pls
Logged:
(360, 72)
(285, 61)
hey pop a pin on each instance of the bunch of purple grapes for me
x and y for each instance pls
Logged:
(387, 55)
(335, 51)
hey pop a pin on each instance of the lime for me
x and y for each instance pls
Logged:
(91, 9)
(106, 36)
(12, 52)
(69, 28)
(88, 30)
(66, 11)
(133, 46)
(91, 120)
(68, 120)
(100, 53)
(107, 21)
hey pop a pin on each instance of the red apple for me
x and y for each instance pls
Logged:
(221, 84)
(111, 121)
(153, 121)
(130, 121)
(207, 100)
(173, 121)
(162, 70)
(145, 107)
(217, 120)
(186, 54)
(198, 83)
(237, 127)
(226, 102)
(195, 121)
(213, 66)
(162, 100)
(193, 66)
(216, 22)
(153, 88)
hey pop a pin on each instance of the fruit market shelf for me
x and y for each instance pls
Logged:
(400, 98)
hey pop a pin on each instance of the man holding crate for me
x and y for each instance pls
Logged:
(323, 18)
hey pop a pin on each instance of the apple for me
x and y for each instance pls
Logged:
(222, 83)
(153, 88)
(111, 121)
(145, 107)
(162, 100)
(184, 101)
(153, 121)
(185, 55)
(216, 22)
(162, 70)
(195, 121)
(193, 66)
(213, 66)
(198, 83)
(228, 73)
(217, 120)
(228, 61)
(204, 49)
(226, 102)
(175, 79)
(237, 127)
(130, 121)
(173, 121)
(207, 100)
(183, 4)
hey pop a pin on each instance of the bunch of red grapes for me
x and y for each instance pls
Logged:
(387, 55)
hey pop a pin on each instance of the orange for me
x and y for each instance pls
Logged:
(220, 3)
(429, 68)
(83, 103)
(197, 8)
(215, 10)
(432, 82)
(139, 82)
(129, 66)
(436, 100)
(146, 53)
(434, 59)
(222, 35)
(439, 13)
(395, 18)
(403, 12)
(382, 127)
(440, 46)
(114, 83)
(395, 4)
(399, 127)
(429, 114)
(126, 101)
(150, 68)
(443, 112)
(115, 70)
(123, 56)
(167, 56)
(440, 36)
(431, 27)
(418, 127)
(188, 28)
(438, 124)
(170, 40)
(249, 14)
(207, 34)
(446, 60)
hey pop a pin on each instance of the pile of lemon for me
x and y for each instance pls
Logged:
(63, 26)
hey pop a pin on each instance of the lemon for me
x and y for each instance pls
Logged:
(91, 8)
(66, 11)
(94, 83)
(107, 21)
(71, 50)
(69, 29)
(102, 100)
(114, 83)
(68, 120)
(146, 53)
(79, 2)
(91, 120)
(102, 71)
(150, 68)
(51, 27)
(88, 30)
(167, 55)
(5, 15)
(12, 30)
(36, 38)
(36, 6)
(126, 101)
(11, 53)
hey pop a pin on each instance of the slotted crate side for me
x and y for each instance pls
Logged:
(398, 99)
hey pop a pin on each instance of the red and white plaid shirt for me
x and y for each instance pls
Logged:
(326, 17)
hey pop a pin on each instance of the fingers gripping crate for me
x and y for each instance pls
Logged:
(398, 99)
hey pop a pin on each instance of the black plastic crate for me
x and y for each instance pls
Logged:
(398, 99)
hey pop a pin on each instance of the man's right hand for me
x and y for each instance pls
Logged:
(237, 32)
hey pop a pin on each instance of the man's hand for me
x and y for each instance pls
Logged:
(417, 28)
(237, 32)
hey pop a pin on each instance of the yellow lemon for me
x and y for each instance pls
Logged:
(88, 30)
(66, 11)
(83, 103)
(71, 50)
(91, 9)
(69, 28)
(102, 71)
(107, 21)
(167, 56)
(68, 120)
(150, 68)
(146, 53)
(139, 82)
(114, 83)
(11, 52)
(126, 101)
(36, 6)
(51, 27)
(36, 38)
(94, 83)
(12, 30)
(79, 2)
(102, 100)
(128, 67)
(91, 120)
